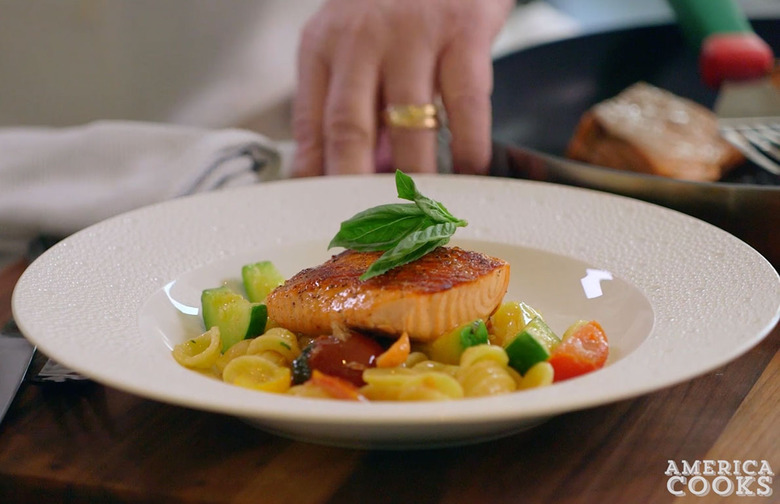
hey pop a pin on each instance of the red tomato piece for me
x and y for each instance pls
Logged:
(344, 358)
(583, 350)
(734, 56)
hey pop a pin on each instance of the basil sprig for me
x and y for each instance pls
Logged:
(404, 231)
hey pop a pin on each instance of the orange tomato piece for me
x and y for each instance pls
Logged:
(584, 349)
(396, 354)
(335, 387)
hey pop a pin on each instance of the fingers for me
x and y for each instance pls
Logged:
(350, 120)
(466, 80)
(383, 157)
(334, 117)
(358, 54)
(408, 79)
(308, 111)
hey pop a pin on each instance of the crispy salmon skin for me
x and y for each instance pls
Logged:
(441, 290)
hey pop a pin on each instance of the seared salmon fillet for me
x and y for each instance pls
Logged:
(441, 290)
(649, 130)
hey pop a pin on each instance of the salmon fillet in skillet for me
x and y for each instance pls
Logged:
(441, 290)
(650, 130)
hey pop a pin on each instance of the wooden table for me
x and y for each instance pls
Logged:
(90, 443)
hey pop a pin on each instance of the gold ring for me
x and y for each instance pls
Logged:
(425, 116)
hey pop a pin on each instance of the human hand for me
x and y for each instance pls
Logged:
(357, 56)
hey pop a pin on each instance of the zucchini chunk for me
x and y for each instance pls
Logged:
(236, 317)
(448, 347)
(260, 279)
(531, 345)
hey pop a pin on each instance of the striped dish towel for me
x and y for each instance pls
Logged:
(56, 181)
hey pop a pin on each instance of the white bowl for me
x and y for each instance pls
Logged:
(676, 296)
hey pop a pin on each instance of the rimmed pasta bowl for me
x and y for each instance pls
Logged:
(127, 290)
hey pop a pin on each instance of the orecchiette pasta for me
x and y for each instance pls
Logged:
(417, 384)
(257, 372)
(431, 365)
(477, 353)
(236, 350)
(483, 371)
(309, 389)
(266, 363)
(414, 359)
(539, 375)
(201, 352)
(277, 341)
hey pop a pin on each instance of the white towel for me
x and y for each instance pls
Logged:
(55, 181)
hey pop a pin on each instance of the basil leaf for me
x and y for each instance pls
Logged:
(436, 211)
(404, 231)
(390, 259)
(380, 227)
(412, 247)
(448, 215)
(407, 190)
(405, 186)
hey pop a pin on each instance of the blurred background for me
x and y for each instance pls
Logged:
(210, 63)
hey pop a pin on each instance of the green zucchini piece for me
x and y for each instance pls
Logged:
(260, 279)
(448, 347)
(474, 334)
(235, 316)
(531, 345)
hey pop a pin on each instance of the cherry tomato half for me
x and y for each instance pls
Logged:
(344, 358)
(584, 349)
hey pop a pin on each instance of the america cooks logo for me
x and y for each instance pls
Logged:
(742, 478)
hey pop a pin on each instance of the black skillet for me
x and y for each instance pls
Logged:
(540, 94)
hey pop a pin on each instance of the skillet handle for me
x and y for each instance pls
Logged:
(699, 19)
(728, 47)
